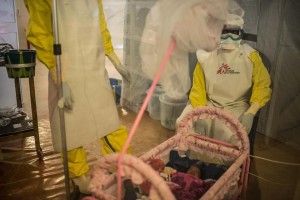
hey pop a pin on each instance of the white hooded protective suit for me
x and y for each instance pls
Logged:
(94, 113)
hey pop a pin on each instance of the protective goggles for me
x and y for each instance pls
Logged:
(234, 34)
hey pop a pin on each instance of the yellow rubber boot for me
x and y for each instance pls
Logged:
(78, 168)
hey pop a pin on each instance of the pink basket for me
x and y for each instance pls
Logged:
(103, 182)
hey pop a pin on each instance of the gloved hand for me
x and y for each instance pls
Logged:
(119, 67)
(247, 121)
(67, 100)
(124, 73)
(247, 118)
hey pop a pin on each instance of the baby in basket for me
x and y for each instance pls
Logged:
(188, 179)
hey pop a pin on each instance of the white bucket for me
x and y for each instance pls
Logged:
(170, 110)
(154, 104)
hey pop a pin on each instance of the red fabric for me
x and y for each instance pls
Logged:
(158, 165)
(191, 187)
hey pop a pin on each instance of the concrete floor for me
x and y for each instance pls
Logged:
(267, 180)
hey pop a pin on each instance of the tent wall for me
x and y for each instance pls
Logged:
(276, 23)
(279, 38)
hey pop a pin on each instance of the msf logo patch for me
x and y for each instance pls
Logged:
(225, 69)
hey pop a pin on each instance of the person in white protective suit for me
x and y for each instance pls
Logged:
(88, 102)
(233, 78)
(192, 24)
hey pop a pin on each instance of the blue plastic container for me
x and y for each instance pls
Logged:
(116, 85)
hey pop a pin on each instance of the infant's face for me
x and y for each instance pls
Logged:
(195, 171)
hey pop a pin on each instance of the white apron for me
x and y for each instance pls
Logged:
(94, 113)
(228, 79)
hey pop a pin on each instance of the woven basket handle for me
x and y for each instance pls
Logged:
(227, 119)
(132, 167)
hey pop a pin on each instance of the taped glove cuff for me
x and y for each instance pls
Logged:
(253, 109)
(53, 74)
(114, 59)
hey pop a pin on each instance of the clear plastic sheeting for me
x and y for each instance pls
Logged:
(276, 24)
(277, 29)
(134, 22)
(193, 24)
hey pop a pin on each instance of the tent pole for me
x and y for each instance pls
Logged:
(57, 53)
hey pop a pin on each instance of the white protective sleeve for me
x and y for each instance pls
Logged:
(195, 24)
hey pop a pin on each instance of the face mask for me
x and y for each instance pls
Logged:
(230, 44)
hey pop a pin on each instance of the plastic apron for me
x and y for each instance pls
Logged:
(94, 113)
(228, 79)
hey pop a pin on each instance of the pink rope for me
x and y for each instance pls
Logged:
(140, 114)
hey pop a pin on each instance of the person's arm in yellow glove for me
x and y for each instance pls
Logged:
(197, 95)
(119, 67)
(108, 47)
(261, 91)
(39, 32)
